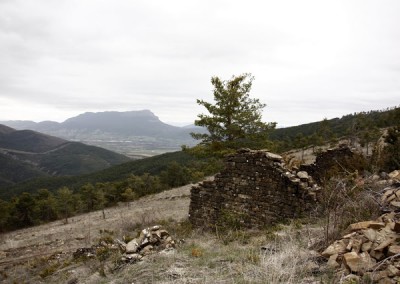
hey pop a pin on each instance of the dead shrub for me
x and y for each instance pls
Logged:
(342, 202)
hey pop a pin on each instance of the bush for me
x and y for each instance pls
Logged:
(343, 202)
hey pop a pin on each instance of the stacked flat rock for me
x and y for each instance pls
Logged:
(150, 240)
(390, 199)
(390, 195)
(371, 250)
(256, 189)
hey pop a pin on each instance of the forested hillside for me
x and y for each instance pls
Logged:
(26, 154)
(364, 126)
(46, 199)
(49, 198)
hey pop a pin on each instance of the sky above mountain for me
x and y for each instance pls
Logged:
(310, 59)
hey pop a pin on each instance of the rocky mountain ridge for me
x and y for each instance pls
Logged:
(129, 132)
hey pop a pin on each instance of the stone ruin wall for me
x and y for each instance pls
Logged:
(333, 162)
(255, 188)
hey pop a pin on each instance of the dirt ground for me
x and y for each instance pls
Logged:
(83, 230)
(43, 254)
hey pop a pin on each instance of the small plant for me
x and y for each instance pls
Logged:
(230, 225)
(229, 219)
(106, 236)
(49, 270)
(127, 238)
(271, 230)
(253, 256)
(103, 253)
(181, 229)
(297, 224)
(197, 252)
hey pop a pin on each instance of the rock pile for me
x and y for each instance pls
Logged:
(390, 199)
(150, 240)
(371, 250)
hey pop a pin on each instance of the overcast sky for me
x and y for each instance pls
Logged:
(310, 59)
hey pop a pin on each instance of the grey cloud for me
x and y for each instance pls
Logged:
(307, 56)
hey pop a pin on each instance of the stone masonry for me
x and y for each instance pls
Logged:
(333, 162)
(255, 189)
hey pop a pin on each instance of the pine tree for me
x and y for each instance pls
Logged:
(234, 117)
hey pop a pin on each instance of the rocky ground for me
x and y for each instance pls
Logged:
(90, 249)
(23, 246)
(151, 241)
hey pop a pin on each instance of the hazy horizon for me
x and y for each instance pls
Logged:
(183, 124)
(311, 59)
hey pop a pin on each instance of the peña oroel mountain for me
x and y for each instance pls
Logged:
(132, 133)
(26, 154)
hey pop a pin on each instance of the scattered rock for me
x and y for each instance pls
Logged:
(332, 263)
(302, 175)
(273, 156)
(395, 175)
(85, 252)
(393, 250)
(353, 261)
(150, 240)
(390, 200)
(338, 247)
(372, 249)
(365, 225)
(132, 246)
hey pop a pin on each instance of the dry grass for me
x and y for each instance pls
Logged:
(206, 258)
(200, 257)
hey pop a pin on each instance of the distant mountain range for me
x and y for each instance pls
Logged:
(26, 154)
(131, 133)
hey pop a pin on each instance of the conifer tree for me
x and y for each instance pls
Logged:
(234, 117)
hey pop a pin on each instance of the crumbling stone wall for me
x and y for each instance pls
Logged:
(255, 189)
(333, 162)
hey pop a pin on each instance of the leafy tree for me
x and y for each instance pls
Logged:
(46, 205)
(145, 184)
(93, 197)
(128, 195)
(369, 135)
(25, 206)
(65, 202)
(234, 117)
(301, 141)
(5, 211)
(315, 141)
(136, 184)
(324, 131)
(111, 193)
(151, 184)
(175, 175)
(391, 153)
